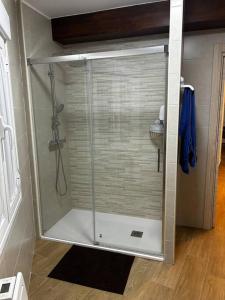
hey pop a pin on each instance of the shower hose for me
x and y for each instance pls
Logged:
(59, 161)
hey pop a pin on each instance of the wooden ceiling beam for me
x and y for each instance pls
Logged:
(139, 20)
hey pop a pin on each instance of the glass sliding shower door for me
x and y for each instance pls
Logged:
(128, 162)
(65, 215)
(100, 148)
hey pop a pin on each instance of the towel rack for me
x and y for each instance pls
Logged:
(187, 86)
(182, 85)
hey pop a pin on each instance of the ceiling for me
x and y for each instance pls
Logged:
(59, 8)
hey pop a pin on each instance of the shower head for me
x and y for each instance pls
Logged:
(59, 108)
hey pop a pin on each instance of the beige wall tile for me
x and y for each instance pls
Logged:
(126, 177)
(171, 178)
(169, 252)
(174, 92)
(174, 69)
(169, 228)
(175, 57)
(176, 19)
(172, 119)
(172, 140)
(171, 205)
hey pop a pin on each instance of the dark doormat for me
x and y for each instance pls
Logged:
(94, 268)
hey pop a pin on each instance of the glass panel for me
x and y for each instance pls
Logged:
(61, 111)
(127, 94)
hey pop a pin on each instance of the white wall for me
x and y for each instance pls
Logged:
(18, 252)
(197, 70)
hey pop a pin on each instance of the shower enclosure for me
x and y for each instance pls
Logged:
(100, 170)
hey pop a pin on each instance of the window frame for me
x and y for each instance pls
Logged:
(10, 185)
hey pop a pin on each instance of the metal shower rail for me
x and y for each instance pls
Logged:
(98, 55)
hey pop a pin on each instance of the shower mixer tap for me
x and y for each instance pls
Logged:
(54, 144)
(56, 141)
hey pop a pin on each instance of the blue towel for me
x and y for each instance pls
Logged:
(187, 131)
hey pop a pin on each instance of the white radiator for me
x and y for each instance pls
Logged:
(13, 288)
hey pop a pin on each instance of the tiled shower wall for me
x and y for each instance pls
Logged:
(78, 135)
(126, 95)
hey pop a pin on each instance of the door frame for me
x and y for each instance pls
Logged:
(215, 123)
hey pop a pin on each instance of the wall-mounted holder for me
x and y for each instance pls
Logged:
(157, 128)
(156, 131)
(183, 86)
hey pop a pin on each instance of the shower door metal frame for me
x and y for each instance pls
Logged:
(86, 57)
(98, 55)
(92, 147)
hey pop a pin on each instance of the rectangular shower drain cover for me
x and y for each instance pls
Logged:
(137, 233)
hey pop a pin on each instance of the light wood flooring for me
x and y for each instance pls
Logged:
(198, 274)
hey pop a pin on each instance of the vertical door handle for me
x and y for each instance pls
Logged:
(158, 160)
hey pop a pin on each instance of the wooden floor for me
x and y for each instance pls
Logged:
(199, 272)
